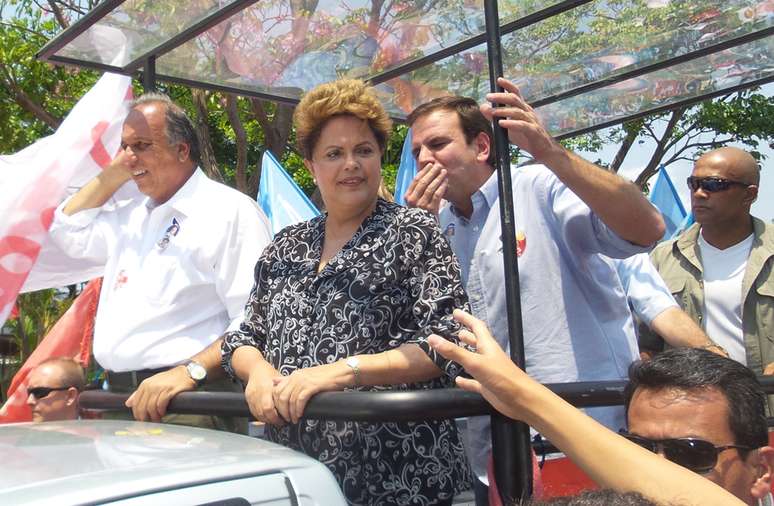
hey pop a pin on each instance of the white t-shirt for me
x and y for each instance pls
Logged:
(723, 275)
(177, 275)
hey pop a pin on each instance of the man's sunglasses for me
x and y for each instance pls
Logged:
(713, 184)
(41, 392)
(698, 455)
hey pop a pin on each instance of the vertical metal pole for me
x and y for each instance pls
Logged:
(149, 75)
(510, 440)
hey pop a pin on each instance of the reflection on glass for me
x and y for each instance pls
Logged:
(709, 74)
(135, 27)
(276, 44)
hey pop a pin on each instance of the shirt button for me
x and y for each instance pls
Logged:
(475, 229)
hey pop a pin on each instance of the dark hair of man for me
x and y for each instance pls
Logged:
(604, 497)
(471, 119)
(692, 369)
(71, 372)
(179, 126)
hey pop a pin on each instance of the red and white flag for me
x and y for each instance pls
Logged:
(34, 181)
(69, 337)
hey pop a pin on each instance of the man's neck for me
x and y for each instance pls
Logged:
(463, 202)
(725, 235)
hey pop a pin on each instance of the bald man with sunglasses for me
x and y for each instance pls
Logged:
(720, 269)
(706, 413)
(53, 388)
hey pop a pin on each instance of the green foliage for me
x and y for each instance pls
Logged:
(38, 312)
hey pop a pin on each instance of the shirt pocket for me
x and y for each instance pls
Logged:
(167, 274)
(765, 309)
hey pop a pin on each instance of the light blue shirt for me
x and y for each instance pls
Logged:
(577, 325)
(646, 291)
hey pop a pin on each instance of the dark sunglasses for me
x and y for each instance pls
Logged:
(41, 392)
(698, 455)
(712, 184)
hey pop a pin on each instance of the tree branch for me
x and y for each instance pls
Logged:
(240, 135)
(658, 154)
(208, 161)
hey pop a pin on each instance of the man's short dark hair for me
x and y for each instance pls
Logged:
(604, 497)
(471, 119)
(179, 126)
(692, 369)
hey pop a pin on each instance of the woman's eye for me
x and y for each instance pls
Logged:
(332, 154)
(365, 150)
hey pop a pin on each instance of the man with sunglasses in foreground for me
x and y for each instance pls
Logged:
(53, 388)
(720, 269)
(706, 413)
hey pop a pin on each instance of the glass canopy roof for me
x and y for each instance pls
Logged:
(583, 64)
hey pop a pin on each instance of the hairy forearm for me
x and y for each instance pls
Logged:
(678, 329)
(96, 192)
(209, 358)
(617, 202)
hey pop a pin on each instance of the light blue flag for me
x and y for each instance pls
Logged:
(687, 222)
(406, 171)
(280, 197)
(664, 196)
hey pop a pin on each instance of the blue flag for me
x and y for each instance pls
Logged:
(280, 197)
(406, 171)
(664, 196)
(687, 222)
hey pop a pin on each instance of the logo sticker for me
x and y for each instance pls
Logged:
(521, 243)
(171, 231)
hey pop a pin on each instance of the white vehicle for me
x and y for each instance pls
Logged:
(134, 463)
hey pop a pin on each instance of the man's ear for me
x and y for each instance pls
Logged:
(752, 194)
(183, 151)
(72, 396)
(765, 466)
(483, 145)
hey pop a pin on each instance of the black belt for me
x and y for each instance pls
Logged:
(130, 379)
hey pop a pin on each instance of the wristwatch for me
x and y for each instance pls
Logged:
(354, 364)
(197, 372)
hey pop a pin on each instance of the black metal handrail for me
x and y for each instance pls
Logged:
(380, 406)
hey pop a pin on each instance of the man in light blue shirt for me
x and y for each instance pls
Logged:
(572, 217)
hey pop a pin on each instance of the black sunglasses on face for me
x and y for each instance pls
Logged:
(698, 455)
(712, 184)
(41, 392)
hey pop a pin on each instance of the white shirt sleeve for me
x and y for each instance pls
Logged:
(646, 292)
(87, 234)
(249, 235)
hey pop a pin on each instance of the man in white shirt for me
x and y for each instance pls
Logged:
(178, 263)
(720, 269)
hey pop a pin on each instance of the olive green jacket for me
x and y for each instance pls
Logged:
(679, 263)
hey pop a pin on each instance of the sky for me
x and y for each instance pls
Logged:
(639, 155)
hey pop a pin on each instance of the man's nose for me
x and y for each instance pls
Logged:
(424, 156)
(31, 400)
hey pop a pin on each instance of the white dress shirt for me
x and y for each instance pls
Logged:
(177, 275)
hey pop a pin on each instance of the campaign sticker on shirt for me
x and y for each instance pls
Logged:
(449, 232)
(171, 231)
(121, 280)
(521, 243)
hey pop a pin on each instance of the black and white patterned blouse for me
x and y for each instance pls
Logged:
(396, 281)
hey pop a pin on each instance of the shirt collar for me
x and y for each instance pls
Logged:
(488, 190)
(185, 199)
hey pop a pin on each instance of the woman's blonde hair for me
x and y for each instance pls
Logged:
(342, 97)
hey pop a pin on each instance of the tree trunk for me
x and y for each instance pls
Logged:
(276, 131)
(209, 163)
(632, 132)
(232, 109)
(661, 147)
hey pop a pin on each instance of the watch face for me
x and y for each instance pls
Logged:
(196, 371)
